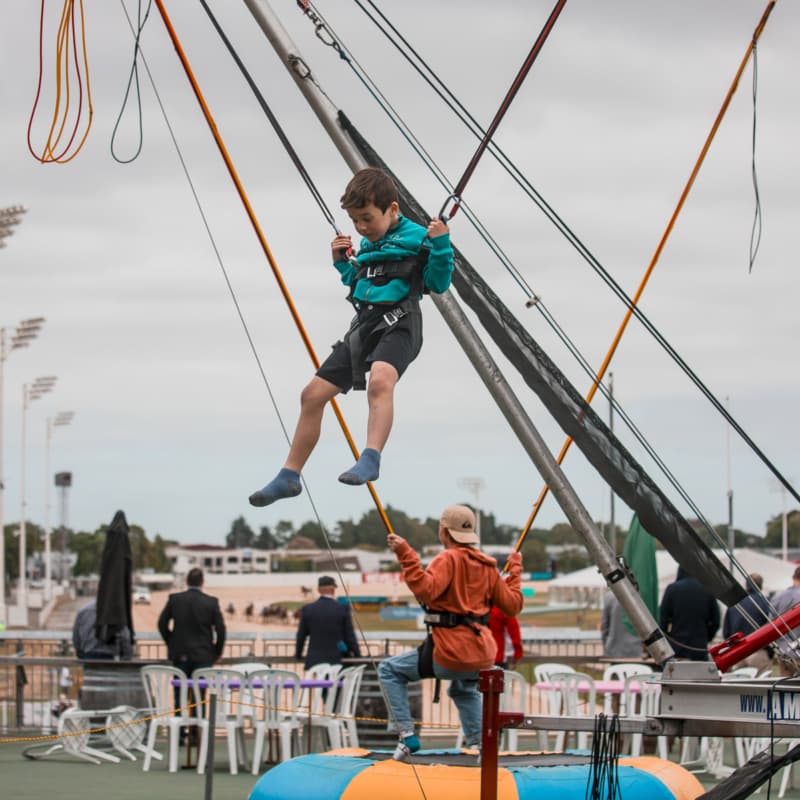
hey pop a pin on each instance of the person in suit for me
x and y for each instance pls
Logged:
(192, 627)
(328, 626)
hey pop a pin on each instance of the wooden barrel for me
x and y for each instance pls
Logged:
(372, 733)
(107, 684)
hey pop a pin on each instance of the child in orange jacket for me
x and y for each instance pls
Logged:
(457, 589)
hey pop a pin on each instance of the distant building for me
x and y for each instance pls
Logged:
(217, 560)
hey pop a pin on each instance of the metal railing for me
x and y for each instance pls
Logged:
(38, 671)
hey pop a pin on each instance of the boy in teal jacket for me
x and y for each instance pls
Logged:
(397, 261)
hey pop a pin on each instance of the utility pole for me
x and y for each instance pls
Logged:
(612, 522)
(731, 534)
(25, 332)
(474, 487)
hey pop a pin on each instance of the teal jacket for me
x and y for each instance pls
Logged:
(401, 241)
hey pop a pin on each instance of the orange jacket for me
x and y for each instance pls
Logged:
(462, 580)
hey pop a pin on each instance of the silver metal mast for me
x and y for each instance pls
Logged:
(599, 551)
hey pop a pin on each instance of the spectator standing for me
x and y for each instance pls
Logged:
(618, 641)
(751, 613)
(783, 601)
(192, 627)
(328, 626)
(689, 617)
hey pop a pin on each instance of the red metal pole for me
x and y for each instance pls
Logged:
(491, 683)
(733, 650)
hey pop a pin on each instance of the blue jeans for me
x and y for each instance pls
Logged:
(396, 672)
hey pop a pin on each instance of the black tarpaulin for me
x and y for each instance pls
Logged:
(116, 584)
(577, 419)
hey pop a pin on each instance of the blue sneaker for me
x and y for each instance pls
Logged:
(405, 747)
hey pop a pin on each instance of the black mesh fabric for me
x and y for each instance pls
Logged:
(577, 419)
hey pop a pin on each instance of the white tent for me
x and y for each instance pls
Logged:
(586, 586)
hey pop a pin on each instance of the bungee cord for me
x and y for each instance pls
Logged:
(447, 96)
(66, 60)
(287, 297)
(755, 233)
(136, 31)
(632, 304)
(262, 240)
(501, 112)
(133, 80)
(330, 39)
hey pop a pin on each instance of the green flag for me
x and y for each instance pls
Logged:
(640, 556)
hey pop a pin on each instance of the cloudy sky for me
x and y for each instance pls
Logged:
(173, 422)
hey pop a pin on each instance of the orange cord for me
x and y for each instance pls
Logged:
(66, 51)
(262, 240)
(648, 272)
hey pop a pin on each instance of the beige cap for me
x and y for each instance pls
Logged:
(460, 524)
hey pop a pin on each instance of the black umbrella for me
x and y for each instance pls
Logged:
(115, 588)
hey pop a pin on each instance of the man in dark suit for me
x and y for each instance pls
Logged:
(328, 626)
(197, 635)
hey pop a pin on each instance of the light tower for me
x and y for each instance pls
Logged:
(9, 217)
(30, 392)
(23, 335)
(474, 486)
(61, 419)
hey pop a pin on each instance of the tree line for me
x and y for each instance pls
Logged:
(367, 532)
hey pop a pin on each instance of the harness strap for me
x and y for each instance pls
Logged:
(368, 322)
(446, 619)
(379, 273)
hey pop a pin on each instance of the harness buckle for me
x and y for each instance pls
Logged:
(393, 316)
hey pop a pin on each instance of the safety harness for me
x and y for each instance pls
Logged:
(374, 318)
(442, 619)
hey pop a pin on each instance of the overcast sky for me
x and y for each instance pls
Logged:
(173, 423)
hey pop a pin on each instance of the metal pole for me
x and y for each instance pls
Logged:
(612, 534)
(731, 534)
(3, 617)
(784, 527)
(48, 569)
(599, 551)
(22, 588)
(212, 724)
(63, 574)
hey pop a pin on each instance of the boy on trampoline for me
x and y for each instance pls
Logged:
(397, 261)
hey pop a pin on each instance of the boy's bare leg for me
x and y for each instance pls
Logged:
(383, 378)
(286, 483)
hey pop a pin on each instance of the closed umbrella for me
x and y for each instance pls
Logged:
(116, 587)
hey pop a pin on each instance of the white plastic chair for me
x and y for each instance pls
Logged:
(315, 698)
(246, 667)
(619, 672)
(339, 716)
(578, 699)
(642, 698)
(742, 673)
(230, 687)
(277, 693)
(160, 691)
(550, 697)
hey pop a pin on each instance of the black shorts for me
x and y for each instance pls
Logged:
(398, 344)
